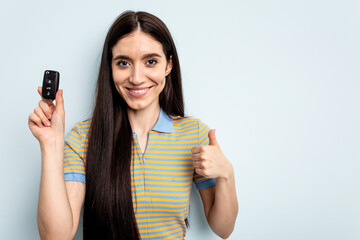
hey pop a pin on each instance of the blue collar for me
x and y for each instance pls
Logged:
(164, 123)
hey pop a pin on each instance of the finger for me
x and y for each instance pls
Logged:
(196, 149)
(196, 157)
(38, 111)
(200, 172)
(46, 108)
(60, 101)
(197, 164)
(212, 138)
(34, 119)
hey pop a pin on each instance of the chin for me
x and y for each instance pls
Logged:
(136, 106)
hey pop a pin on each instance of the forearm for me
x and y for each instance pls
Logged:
(223, 213)
(55, 219)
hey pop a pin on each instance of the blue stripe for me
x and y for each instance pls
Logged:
(161, 202)
(169, 154)
(163, 186)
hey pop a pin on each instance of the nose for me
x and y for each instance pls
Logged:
(137, 76)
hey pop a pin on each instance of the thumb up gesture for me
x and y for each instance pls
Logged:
(209, 161)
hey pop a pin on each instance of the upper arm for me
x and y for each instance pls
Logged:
(208, 197)
(76, 195)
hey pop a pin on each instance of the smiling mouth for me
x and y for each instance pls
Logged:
(138, 90)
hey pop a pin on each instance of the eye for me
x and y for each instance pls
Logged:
(122, 63)
(152, 62)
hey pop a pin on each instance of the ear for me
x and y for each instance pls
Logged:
(169, 66)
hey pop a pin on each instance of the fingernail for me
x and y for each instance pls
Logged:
(48, 124)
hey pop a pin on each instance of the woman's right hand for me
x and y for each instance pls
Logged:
(47, 122)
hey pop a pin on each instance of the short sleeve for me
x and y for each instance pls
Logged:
(74, 153)
(203, 139)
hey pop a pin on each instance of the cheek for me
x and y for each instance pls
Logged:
(119, 79)
(157, 76)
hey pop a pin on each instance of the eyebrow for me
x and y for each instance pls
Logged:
(149, 55)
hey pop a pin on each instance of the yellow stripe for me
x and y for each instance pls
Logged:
(170, 200)
(158, 235)
(182, 132)
(185, 130)
(203, 130)
(74, 167)
(159, 177)
(165, 167)
(166, 183)
(168, 157)
(68, 163)
(168, 147)
(85, 139)
(182, 125)
(73, 170)
(162, 205)
(75, 133)
(163, 194)
(199, 179)
(162, 173)
(74, 139)
(167, 151)
(176, 216)
(161, 188)
(176, 227)
(172, 138)
(76, 144)
(170, 162)
(168, 194)
(71, 157)
(177, 142)
(177, 121)
(157, 224)
(205, 135)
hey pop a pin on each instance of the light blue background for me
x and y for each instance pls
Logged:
(279, 80)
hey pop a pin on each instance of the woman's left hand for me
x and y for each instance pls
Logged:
(209, 161)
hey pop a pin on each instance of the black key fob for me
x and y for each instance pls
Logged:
(50, 84)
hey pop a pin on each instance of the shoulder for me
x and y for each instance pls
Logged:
(190, 124)
(83, 126)
(79, 133)
(180, 121)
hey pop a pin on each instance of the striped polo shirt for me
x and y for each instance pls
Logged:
(161, 177)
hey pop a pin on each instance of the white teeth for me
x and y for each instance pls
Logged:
(139, 91)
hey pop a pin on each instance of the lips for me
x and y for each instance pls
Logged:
(138, 92)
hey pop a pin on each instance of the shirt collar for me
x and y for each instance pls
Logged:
(164, 123)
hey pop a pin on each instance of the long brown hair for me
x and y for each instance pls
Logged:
(108, 208)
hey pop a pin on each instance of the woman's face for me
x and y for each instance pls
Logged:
(139, 68)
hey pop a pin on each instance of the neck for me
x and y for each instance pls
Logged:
(142, 121)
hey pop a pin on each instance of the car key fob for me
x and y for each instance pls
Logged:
(50, 84)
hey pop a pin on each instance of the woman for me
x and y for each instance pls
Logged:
(141, 154)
